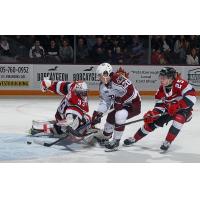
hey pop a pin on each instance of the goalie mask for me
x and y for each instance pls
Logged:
(81, 89)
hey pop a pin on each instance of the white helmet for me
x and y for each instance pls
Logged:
(81, 88)
(104, 68)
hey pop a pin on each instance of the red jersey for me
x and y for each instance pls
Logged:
(180, 91)
(71, 98)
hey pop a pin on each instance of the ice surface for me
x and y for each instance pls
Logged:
(17, 113)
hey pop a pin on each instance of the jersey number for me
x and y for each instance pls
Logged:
(126, 83)
(179, 84)
(123, 81)
(81, 102)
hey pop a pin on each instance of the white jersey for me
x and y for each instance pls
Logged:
(106, 98)
(119, 86)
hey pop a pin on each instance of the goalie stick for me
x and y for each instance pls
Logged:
(46, 144)
(71, 132)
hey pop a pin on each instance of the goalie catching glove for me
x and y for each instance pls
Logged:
(71, 120)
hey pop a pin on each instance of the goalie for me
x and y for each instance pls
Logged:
(72, 111)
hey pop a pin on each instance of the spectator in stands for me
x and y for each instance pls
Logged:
(180, 48)
(66, 52)
(166, 49)
(115, 45)
(37, 51)
(123, 42)
(157, 58)
(82, 51)
(119, 57)
(127, 59)
(192, 58)
(170, 40)
(53, 49)
(99, 56)
(18, 48)
(156, 42)
(136, 51)
(90, 41)
(109, 56)
(53, 52)
(4, 47)
(193, 41)
(98, 44)
(108, 43)
(61, 38)
(165, 45)
(98, 51)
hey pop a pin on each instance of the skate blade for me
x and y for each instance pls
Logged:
(163, 151)
(129, 145)
(112, 150)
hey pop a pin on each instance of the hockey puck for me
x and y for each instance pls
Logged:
(28, 142)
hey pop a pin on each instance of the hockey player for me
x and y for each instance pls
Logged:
(174, 101)
(119, 96)
(73, 108)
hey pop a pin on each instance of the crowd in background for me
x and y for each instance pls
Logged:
(175, 50)
(90, 49)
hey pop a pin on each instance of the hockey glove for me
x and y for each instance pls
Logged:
(45, 84)
(96, 117)
(118, 105)
(149, 116)
(173, 107)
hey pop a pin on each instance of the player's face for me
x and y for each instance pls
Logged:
(104, 78)
(82, 94)
(165, 81)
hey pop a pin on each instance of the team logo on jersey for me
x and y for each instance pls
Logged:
(194, 77)
(122, 72)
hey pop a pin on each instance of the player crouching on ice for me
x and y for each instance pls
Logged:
(72, 111)
(174, 101)
(120, 98)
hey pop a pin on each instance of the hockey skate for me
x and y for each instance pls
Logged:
(165, 146)
(129, 142)
(112, 145)
(100, 138)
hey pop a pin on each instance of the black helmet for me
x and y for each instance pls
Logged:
(170, 72)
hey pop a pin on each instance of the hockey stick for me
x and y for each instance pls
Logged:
(142, 119)
(46, 144)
